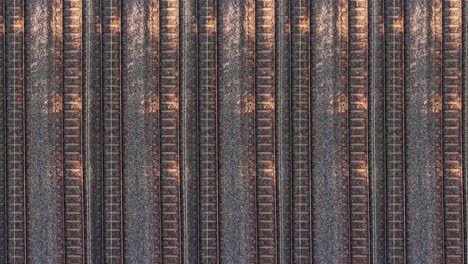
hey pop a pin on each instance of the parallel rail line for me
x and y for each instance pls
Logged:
(3, 135)
(15, 129)
(300, 113)
(208, 128)
(358, 135)
(452, 130)
(265, 131)
(259, 97)
(171, 232)
(394, 134)
(72, 132)
(112, 129)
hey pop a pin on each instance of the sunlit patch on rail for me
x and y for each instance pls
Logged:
(270, 169)
(18, 24)
(433, 104)
(361, 104)
(76, 104)
(172, 105)
(339, 104)
(53, 104)
(248, 104)
(437, 23)
(455, 103)
(57, 29)
(250, 31)
(362, 171)
(344, 29)
(397, 25)
(268, 103)
(304, 24)
(150, 104)
(115, 24)
(174, 173)
(210, 25)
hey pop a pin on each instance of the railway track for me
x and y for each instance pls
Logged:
(465, 115)
(112, 129)
(92, 117)
(358, 131)
(394, 134)
(452, 130)
(72, 132)
(283, 133)
(320, 137)
(208, 129)
(169, 133)
(300, 104)
(15, 130)
(376, 109)
(3, 134)
(265, 131)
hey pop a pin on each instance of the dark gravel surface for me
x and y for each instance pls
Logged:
(329, 150)
(423, 132)
(43, 136)
(2, 138)
(236, 129)
(142, 224)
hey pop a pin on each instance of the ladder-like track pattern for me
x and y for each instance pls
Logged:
(112, 159)
(72, 131)
(15, 120)
(394, 116)
(302, 131)
(208, 137)
(358, 135)
(265, 130)
(300, 103)
(452, 130)
(3, 227)
(169, 123)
